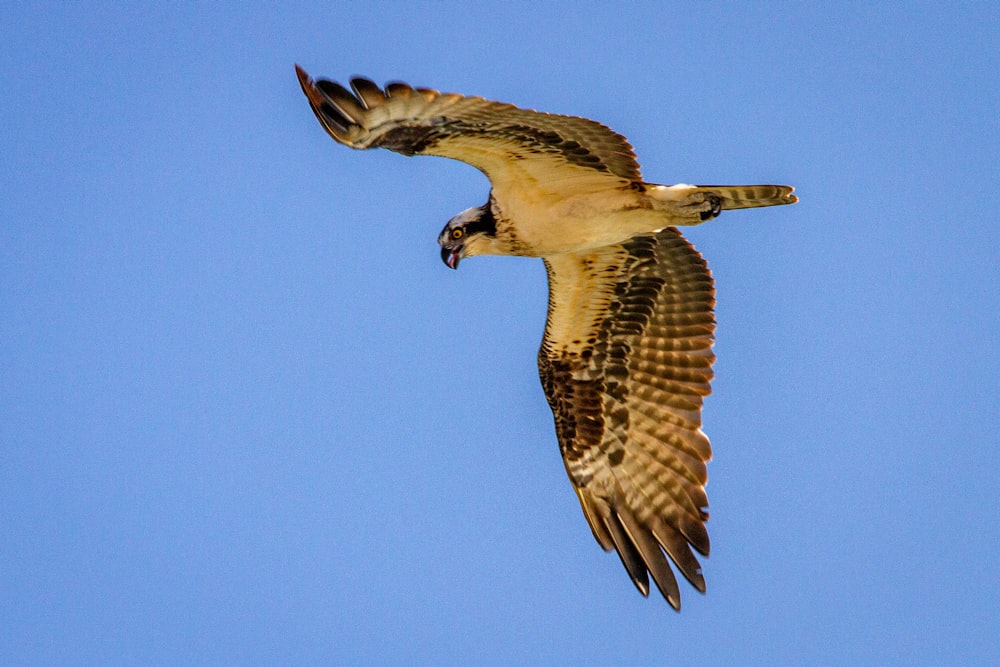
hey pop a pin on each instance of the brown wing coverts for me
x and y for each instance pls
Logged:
(480, 132)
(627, 402)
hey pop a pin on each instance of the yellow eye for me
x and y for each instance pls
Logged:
(457, 233)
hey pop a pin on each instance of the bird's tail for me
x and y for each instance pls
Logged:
(694, 204)
(748, 196)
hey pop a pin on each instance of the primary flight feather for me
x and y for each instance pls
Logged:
(626, 358)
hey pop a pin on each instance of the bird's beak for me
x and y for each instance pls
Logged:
(450, 256)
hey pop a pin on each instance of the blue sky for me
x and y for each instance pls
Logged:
(247, 416)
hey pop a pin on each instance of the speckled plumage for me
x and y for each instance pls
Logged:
(626, 359)
(627, 394)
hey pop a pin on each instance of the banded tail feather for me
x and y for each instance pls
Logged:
(749, 196)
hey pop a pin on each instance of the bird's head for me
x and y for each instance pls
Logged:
(471, 232)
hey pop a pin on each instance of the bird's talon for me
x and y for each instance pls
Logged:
(714, 211)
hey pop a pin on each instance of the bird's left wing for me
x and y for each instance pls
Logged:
(625, 362)
(515, 148)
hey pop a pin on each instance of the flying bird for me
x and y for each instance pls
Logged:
(626, 358)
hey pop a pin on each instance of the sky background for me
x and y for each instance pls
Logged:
(247, 416)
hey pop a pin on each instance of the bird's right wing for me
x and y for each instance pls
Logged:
(625, 362)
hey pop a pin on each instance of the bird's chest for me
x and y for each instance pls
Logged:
(545, 225)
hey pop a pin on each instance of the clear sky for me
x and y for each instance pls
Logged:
(247, 416)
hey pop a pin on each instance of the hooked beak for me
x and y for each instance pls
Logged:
(450, 256)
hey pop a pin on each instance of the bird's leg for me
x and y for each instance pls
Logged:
(714, 208)
(691, 206)
(705, 206)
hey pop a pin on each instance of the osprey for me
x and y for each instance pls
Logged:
(626, 358)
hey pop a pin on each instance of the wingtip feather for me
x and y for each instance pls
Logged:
(628, 553)
(367, 91)
(308, 86)
(656, 563)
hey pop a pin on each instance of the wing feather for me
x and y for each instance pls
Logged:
(652, 558)
(631, 556)
(368, 92)
(512, 146)
(626, 362)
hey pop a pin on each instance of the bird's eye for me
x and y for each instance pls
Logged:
(457, 233)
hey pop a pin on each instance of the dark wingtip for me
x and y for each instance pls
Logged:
(304, 79)
(367, 91)
(309, 87)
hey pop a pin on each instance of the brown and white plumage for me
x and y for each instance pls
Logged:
(626, 359)
(625, 362)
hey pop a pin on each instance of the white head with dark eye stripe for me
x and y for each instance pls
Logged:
(469, 233)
